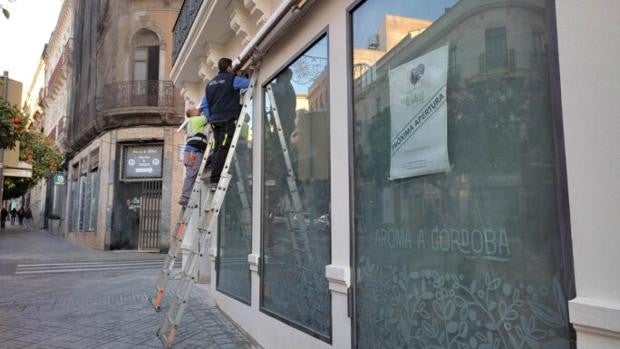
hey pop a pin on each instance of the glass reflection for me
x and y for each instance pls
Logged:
(470, 257)
(235, 223)
(296, 191)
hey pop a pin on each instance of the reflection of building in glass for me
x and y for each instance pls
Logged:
(500, 186)
(499, 48)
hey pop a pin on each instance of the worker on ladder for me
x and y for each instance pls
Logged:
(195, 146)
(221, 105)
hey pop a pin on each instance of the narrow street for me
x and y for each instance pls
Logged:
(57, 294)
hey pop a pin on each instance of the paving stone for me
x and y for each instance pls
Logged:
(101, 310)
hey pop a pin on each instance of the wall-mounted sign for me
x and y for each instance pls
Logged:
(143, 161)
(59, 178)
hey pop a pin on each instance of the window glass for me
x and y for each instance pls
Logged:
(94, 175)
(84, 194)
(140, 54)
(139, 71)
(457, 240)
(235, 222)
(296, 192)
(73, 204)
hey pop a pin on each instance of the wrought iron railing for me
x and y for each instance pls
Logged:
(138, 93)
(62, 62)
(490, 60)
(187, 15)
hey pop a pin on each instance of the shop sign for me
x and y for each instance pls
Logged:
(143, 162)
(419, 118)
(59, 178)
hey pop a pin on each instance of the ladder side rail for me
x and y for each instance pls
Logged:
(246, 213)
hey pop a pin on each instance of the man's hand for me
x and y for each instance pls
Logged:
(245, 72)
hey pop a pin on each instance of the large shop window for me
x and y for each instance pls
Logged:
(296, 192)
(457, 234)
(84, 187)
(235, 223)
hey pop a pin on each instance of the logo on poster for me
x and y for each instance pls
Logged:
(416, 74)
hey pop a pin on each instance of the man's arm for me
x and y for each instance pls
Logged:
(204, 106)
(240, 83)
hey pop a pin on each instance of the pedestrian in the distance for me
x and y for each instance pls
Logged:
(13, 215)
(28, 217)
(3, 215)
(20, 215)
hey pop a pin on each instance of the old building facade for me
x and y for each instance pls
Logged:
(33, 107)
(124, 167)
(496, 234)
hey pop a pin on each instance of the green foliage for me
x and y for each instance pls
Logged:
(45, 158)
(12, 124)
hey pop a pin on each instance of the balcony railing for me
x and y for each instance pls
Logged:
(187, 15)
(139, 93)
(497, 59)
(60, 65)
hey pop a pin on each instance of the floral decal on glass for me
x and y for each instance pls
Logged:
(428, 309)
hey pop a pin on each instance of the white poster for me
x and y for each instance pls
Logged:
(419, 117)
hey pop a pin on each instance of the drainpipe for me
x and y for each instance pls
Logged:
(289, 10)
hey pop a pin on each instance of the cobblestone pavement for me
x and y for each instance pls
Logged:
(101, 307)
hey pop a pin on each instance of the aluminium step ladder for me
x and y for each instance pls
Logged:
(195, 202)
(296, 220)
(207, 224)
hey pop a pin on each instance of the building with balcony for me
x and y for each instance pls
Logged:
(33, 107)
(124, 167)
(501, 232)
(47, 103)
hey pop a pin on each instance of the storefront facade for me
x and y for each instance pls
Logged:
(407, 173)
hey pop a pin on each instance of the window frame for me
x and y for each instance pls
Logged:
(321, 34)
(566, 273)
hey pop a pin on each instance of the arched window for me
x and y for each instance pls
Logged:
(145, 84)
(145, 55)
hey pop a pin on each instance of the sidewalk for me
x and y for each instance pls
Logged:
(96, 309)
(18, 243)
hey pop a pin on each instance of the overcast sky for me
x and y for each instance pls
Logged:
(23, 36)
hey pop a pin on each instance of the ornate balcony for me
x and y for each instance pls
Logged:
(139, 93)
(183, 24)
(497, 60)
(140, 102)
(60, 72)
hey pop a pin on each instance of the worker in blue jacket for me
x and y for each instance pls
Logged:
(221, 105)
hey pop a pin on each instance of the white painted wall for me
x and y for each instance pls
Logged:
(268, 331)
(589, 52)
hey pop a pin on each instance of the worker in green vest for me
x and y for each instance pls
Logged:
(195, 146)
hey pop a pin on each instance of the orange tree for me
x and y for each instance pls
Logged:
(35, 149)
(12, 125)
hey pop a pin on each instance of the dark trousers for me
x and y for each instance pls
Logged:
(223, 133)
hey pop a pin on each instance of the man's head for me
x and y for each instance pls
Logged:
(225, 64)
(286, 75)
